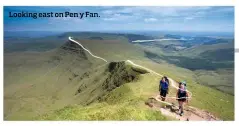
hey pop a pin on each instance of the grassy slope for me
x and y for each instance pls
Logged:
(137, 93)
(131, 97)
(127, 100)
(215, 101)
(124, 103)
(195, 51)
(221, 79)
(214, 57)
(220, 104)
(42, 85)
(113, 50)
(35, 84)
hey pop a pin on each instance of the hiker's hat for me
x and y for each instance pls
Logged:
(183, 82)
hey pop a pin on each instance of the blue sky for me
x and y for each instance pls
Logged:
(163, 18)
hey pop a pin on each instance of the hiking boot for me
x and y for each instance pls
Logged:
(181, 114)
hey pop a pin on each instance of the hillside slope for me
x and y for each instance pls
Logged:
(65, 76)
(145, 91)
(212, 62)
(38, 82)
(68, 84)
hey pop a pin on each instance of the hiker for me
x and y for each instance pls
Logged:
(166, 79)
(184, 83)
(182, 97)
(163, 87)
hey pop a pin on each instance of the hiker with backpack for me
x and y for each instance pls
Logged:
(182, 96)
(163, 87)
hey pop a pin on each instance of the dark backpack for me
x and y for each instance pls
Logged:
(181, 93)
(166, 79)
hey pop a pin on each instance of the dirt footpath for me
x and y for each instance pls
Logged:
(171, 110)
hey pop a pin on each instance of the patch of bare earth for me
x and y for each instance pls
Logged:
(171, 110)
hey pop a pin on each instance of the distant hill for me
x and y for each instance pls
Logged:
(204, 56)
(24, 43)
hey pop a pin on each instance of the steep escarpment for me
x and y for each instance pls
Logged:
(99, 82)
(73, 49)
(120, 73)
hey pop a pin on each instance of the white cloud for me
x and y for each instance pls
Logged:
(107, 12)
(150, 19)
(118, 17)
(161, 14)
(157, 12)
(171, 11)
(224, 9)
(188, 18)
(110, 19)
(127, 10)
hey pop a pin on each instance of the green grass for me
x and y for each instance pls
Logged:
(28, 95)
(124, 103)
(212, 65)
(134, 95)
(104, 111)
(218, 103)
(221, 79)
(195, 51)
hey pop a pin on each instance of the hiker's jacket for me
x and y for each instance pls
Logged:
(164, 85)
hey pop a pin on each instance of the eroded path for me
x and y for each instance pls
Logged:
(190, 113)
